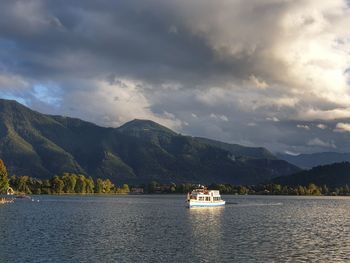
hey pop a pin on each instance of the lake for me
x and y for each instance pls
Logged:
(159, 228)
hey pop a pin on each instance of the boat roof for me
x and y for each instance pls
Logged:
(205, 192)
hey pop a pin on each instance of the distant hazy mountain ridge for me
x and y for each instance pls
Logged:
(41, 145)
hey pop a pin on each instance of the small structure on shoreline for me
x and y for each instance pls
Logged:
(10, 191)
(5, 201)
(136, 190)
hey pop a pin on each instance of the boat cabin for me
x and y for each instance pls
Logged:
(205, 195)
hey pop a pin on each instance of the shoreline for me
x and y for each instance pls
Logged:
(5, 201)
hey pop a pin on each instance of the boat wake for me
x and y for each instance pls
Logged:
(252, 204)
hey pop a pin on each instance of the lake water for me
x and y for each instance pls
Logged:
(159, 228)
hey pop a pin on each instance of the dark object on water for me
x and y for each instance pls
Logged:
(23, 196)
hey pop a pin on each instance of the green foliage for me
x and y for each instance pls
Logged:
(80, 186)
(86, 185)
(107, 186)
(99, 186)
(90, 185)
(242, 190)
(68, 183)
(70, 180)
(4, 180)
(104, 186)
(123, 190)
(57, 185)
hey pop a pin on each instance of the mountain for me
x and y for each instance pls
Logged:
(307, 161)
(42, 145)
(240, 151)
(337, 174)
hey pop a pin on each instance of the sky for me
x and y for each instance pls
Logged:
(272, 73)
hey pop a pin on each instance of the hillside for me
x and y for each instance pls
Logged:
(307, 161)
(337, 174)
(41, 145)
(239, 150)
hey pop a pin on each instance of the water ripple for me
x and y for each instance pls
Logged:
(161, 229)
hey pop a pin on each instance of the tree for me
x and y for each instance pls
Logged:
(125, 188)
(242, 190)
(57, 185)
(277, 188)
(70, 181)
(35, 185)
(99, 186)
(90, 185)
(46, 187)
(107, 186)
(23, 184)
(4, 180)
(301, 190)
(80, 186)
(313, 189)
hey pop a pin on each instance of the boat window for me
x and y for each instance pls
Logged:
(207, 199)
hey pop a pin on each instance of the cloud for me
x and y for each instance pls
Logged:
(305, 127)
(274, 119)
(122, 102)
(219, 117)
(190, 65)
(319, 142)
(342, 127)
(291, 153)
(260, 84)
(321, 126)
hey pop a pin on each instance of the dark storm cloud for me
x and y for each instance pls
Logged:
(83, 38)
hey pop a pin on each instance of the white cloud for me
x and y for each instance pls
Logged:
(319, 114)
(219, 117)
(302, 53)
(260, 84)
(321, 126)
(302, 126)
(321, 143)
(112, 104)
(274, 119)
(342, 127)
(291, 153)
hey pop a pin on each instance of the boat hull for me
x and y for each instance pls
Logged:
(205, 204)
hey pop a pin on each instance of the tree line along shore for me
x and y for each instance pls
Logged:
(70, 183)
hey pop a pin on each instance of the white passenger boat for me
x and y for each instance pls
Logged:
(204, 198)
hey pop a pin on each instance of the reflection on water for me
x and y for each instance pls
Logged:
(206, 231)
(161, 229)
